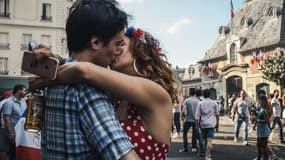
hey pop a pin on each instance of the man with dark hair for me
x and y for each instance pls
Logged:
(276, 106)
(79, 120)
(189, 111)
(13, 109)
(207, 115)
(240, 114)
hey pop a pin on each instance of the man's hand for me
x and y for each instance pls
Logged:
(197, 123)
(42, 52)
(36, 82)
(11, 137)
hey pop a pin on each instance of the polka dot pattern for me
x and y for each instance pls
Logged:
(145, 145)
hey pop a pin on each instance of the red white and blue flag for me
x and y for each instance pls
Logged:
(28, 143)
(232, 10)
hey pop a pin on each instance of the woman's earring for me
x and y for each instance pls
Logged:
(136, 70)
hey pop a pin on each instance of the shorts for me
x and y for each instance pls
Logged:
(208, 132)
(263, 130)
(4, 140)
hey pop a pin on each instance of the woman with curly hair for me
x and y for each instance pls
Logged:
(143, 87)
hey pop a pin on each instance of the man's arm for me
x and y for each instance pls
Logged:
(7, 110)
(234, 110)
(217, 112)
(102, 128)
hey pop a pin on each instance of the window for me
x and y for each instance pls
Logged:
(46, 12)
(242, 21)
(45, 40)
(271, 11)
(4, 8)
(26, 39)
(233, 53)
(4, 40)
(3, 65)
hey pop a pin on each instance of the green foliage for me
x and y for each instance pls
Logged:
(274, 68)
(247, 1)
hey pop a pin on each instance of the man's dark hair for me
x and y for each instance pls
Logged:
(88, 18)
(18, 87)
(276, 90)
(192, 91)
(206, 93)
(198, 92)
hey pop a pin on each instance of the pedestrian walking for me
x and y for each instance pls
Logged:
(276, 105)
(176, 115)
(240, 115)
(263, 118)
(188, 112)
(207, 116)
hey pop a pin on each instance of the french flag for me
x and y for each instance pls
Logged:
(27, 143)
(232, 10)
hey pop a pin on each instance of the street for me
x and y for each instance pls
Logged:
(224, 146)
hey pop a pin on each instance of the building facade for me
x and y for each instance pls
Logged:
(236, 59)
(22, 21)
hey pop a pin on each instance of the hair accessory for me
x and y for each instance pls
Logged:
(140, 35)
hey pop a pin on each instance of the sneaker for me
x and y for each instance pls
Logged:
(245, 143)
(201, 154)
(282, 142)
(175, 135)
(235, 139)
(208, 158)
(183, 150)
(194, 149)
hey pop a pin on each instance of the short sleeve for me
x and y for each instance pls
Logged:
(7, 108)
(101, 126)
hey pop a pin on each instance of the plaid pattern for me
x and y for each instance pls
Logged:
(80, 124)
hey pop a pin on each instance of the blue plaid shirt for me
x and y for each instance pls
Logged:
(80, 124)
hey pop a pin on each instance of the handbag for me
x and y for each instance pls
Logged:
(4, 140)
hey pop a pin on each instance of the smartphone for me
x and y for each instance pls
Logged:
(46, 68)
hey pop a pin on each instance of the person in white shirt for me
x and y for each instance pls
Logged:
(207, 116)
(240, 114)
(276, 105)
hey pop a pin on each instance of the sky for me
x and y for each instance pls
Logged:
(186, 29)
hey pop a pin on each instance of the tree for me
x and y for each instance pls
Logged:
(247, 1)
(274, 67)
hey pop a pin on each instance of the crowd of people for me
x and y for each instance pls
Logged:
(264, 114)
(93, 111)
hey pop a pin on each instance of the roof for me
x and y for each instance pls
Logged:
(252, 24)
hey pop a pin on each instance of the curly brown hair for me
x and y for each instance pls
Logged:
(154, 65)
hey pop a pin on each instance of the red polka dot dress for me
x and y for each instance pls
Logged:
(145, 145)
